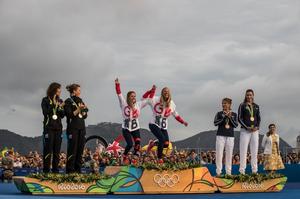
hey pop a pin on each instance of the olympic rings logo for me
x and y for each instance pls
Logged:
(166, 180)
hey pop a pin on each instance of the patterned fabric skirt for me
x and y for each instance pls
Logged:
(273, 162)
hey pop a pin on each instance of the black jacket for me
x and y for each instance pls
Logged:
(244, 116)
(74, 122)
(49, 123)
(220, 121)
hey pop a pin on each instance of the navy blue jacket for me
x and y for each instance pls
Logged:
(220, 121)
(244, 116)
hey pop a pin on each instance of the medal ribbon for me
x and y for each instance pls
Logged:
(55, 107)
(250, 109)
(226, 120)
(76, 105)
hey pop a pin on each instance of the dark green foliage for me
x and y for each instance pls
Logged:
(252, 178)
(65, 178)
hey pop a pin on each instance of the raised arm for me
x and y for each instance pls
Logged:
(150, 93)
(147, 97)
(119, 93)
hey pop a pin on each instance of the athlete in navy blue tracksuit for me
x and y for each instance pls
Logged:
(52, 107)
(76, 112)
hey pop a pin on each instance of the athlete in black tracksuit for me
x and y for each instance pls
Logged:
(76, 134)
(52, 135)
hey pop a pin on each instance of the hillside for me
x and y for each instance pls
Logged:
(204, 140)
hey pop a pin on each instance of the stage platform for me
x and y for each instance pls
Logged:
(291, 190)
(136, 180)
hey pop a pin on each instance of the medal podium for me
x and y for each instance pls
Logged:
(134, 180)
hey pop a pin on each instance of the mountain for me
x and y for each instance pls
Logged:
(206, 141)
(20, 143)
(109, 131)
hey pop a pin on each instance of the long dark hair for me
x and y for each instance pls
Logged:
(72, 87)
(52, 89)
(247, 91)
(269, 132)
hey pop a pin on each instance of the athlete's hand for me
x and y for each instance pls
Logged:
(62, 104)
(185, 124)
(81, 106)
(153, 87)
(117, 81)
(229, 114)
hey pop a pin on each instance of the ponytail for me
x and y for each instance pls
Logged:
(72, 87)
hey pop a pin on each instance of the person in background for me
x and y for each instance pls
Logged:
(226, 120)
(18, 163)
(193, 158)
(270, 143)
(236, 159)
(249, 118)
(76, 112)
(53, 111)
(7, 164)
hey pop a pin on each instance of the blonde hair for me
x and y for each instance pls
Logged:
(164, 102)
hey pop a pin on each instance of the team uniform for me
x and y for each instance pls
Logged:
(225, 140)
(76, 134)
(52, 134)
(130, 125)
(249, 117)
(159, 123)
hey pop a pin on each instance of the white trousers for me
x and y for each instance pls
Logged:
(246, 138)
(227, 143)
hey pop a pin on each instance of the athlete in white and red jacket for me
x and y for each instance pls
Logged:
(162, 107)
(131, 110)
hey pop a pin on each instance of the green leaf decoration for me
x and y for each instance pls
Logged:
(96, 189)
(105, 184)
(68, 178)
(38, 188)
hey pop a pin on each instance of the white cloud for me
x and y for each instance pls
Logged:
(202, 50)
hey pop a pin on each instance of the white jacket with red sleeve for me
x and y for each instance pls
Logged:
(131, 115)
(161, 114)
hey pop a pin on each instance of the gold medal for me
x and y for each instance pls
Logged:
(54, 117)
(252, 119)
(80, 115)
(227, 126)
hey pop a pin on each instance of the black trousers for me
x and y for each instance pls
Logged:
(76, 143)
(162, 136)
(130, 137)
(51, 149)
